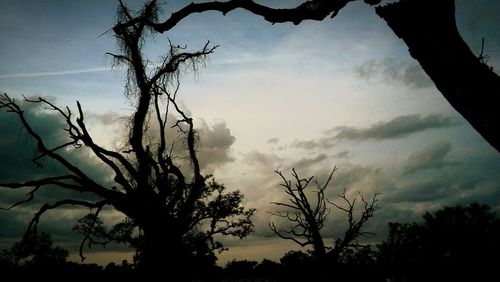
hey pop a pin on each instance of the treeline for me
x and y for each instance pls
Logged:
(452, 244)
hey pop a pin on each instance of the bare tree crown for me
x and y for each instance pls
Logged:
(307, 210)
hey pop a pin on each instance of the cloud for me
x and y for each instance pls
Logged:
(341, 155)
(408, 73)
(321, 143)
(262, 160)
(216, 142)
(17, 149)
(405, 194)
(307, 163)
(305, 144)
(398, 127)
(431, 157)
(404, 197)
(273, 141)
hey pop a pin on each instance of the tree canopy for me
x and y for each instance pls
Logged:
(173, 211)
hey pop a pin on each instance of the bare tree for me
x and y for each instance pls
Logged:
(464, 79)
(307, 210)
(175, 208)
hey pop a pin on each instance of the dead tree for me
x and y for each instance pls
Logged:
(175, 208)
(307, 210)
(427, 27)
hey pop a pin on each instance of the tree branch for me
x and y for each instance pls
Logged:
(310, 10)
(32, 226)
(87, 234)
(286, 237)
(102, 154)
(40, 183)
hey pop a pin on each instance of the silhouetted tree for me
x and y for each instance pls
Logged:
(300, 266)
(307, 212)
(296, 260)
(34, 251)
(454, 242)
(173, 212)
(240, 268)
(427, 27)
(269, 269)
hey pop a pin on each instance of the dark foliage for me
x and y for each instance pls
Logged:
(454, 242)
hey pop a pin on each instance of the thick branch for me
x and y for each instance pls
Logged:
(40, 183)
(471, 87)
(310, 10)
(103, 154)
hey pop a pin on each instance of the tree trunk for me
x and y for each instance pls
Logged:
(429, 30)
(319, 247)
(164, 254)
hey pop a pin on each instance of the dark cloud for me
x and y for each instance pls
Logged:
(425, 190)
(430, 157)
(398, 127)
(273, 141)
(17, 149)
(406, 197)
(410, 74)
(477, 20)
(305, 144)
(447, 189)
(306, 163)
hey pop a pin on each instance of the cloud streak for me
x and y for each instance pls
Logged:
(408, 73)
(54, 73)
(321, 143)
(398, 127)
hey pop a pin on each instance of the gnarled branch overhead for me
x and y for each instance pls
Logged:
(310, 10)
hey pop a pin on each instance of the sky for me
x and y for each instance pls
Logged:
(343, 92)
